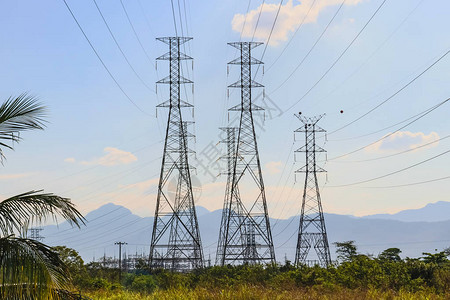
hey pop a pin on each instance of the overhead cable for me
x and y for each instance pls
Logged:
(102, 62)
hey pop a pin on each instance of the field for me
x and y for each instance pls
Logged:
(258, 292)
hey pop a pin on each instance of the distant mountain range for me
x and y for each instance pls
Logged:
(413, 231)
(433, 212)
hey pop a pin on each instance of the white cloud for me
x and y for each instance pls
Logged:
(290, 17)
(404, 140)
(273, 167)
(113, 157)
(70, 160)
(14, 176)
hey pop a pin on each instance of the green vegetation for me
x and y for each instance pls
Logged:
(28, 268)
(356, 276)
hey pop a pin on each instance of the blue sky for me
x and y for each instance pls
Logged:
(99, 148)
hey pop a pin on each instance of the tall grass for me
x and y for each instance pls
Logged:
(252, 292)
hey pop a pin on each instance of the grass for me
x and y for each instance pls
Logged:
(247, 292)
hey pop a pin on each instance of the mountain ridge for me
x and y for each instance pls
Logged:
(111, 223)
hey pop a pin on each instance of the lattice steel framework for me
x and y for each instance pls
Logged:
(245, 235)
(175, 243)
(312, 231)
(35, 234)
(231, 210)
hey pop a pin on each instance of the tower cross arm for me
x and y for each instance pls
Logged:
(238, 45)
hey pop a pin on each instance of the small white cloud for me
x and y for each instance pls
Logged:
(404, 140)
(290, 17)
(14, 176)
(70, 160)
(113, 157)
(273, 167)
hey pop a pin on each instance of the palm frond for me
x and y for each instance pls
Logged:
(30, 270)
(19, 114)
(19, 211)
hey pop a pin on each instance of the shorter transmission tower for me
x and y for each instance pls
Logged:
(35, 234)
(236, 211)
(312, 231)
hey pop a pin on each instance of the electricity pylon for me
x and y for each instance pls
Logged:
(175, 243)
(35, 234)
(236, 211)
(245, 235)
(312, 231)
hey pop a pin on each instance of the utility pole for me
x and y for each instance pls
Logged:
(245, 233)
(120, 258)
(176, 243)
(312, 231)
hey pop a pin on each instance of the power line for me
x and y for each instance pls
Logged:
(185, 18)
(245, 21)
(290, 209)
(292, 38)
(282, 192)
(106, 242)
(372, 55)
(184, 45)
(284, 169)
(393, 95)
(83, 199)
(120, 49)
(400, 243)
(408, 184)
(379, 130)
(240, 39)
(58, 233)
(290, 192)
(392, 173)
(174, 19)
(401, 152)
(311, 49)
(339, 57)
(181, 20)
(96, 166)
(396, 243)
(145, 17)
(115, 229)
(257, 21)
(270, 36)
(392, 133)
(63, 233)
(289, 239)
(135, 34)
(102, 62)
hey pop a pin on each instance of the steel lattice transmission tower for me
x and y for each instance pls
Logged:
(236, 211)
(175, 243)
(312, 231)
(35, 234)
(245, 235)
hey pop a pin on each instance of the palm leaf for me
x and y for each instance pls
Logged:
(30, 270)
(19, 211)
(19, 114)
